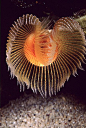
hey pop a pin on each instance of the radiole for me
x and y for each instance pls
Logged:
(44, 58)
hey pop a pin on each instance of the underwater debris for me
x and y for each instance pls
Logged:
(28, 3)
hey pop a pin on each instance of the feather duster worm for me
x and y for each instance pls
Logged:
(44, 59)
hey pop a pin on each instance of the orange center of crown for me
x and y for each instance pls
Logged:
(40, 52)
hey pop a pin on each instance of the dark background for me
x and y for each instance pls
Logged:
(10, 11)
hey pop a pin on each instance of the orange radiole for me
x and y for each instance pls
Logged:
(44, 58)
(39, 47)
